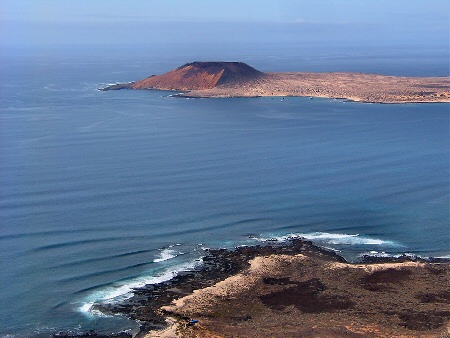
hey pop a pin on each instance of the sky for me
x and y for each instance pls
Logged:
(64, 22)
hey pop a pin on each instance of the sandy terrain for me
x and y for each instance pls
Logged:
(311, 296)
(353, 86)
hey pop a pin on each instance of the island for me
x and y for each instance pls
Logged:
(237, 79)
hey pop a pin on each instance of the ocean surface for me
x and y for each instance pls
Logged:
(101, 192)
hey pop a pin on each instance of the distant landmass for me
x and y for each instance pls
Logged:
(197, 76)
(237, 79)
(200, 76)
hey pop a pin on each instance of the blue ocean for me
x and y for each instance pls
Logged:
(101, 192)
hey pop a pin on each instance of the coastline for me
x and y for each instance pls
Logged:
(306, 299)
(357, 87)
(307, 289)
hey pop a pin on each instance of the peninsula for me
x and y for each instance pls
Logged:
(237, 79)
(295, 289)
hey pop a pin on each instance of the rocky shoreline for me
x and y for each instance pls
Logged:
(314, 294)
(277, 289)
(217, 265)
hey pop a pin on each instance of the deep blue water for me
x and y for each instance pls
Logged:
(103, 191)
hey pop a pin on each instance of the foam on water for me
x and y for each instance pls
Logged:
(165, 255)
(383, 254)
(336, 239)
(121, 292)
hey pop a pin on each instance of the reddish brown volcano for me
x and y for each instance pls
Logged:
(200, 75)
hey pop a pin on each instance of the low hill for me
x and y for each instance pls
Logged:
(200, 75)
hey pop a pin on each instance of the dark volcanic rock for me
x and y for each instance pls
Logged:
(422, 321)
(217, 265)
(307, 297)
(117, 86)
(312, 286)
(93, 334)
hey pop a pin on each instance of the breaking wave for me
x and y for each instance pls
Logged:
(336, 239)
(122, 291)
(166, 254)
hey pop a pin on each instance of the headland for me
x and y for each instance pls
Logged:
(295, 289)
(237, 79)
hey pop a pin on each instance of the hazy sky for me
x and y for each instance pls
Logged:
(41, 22)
